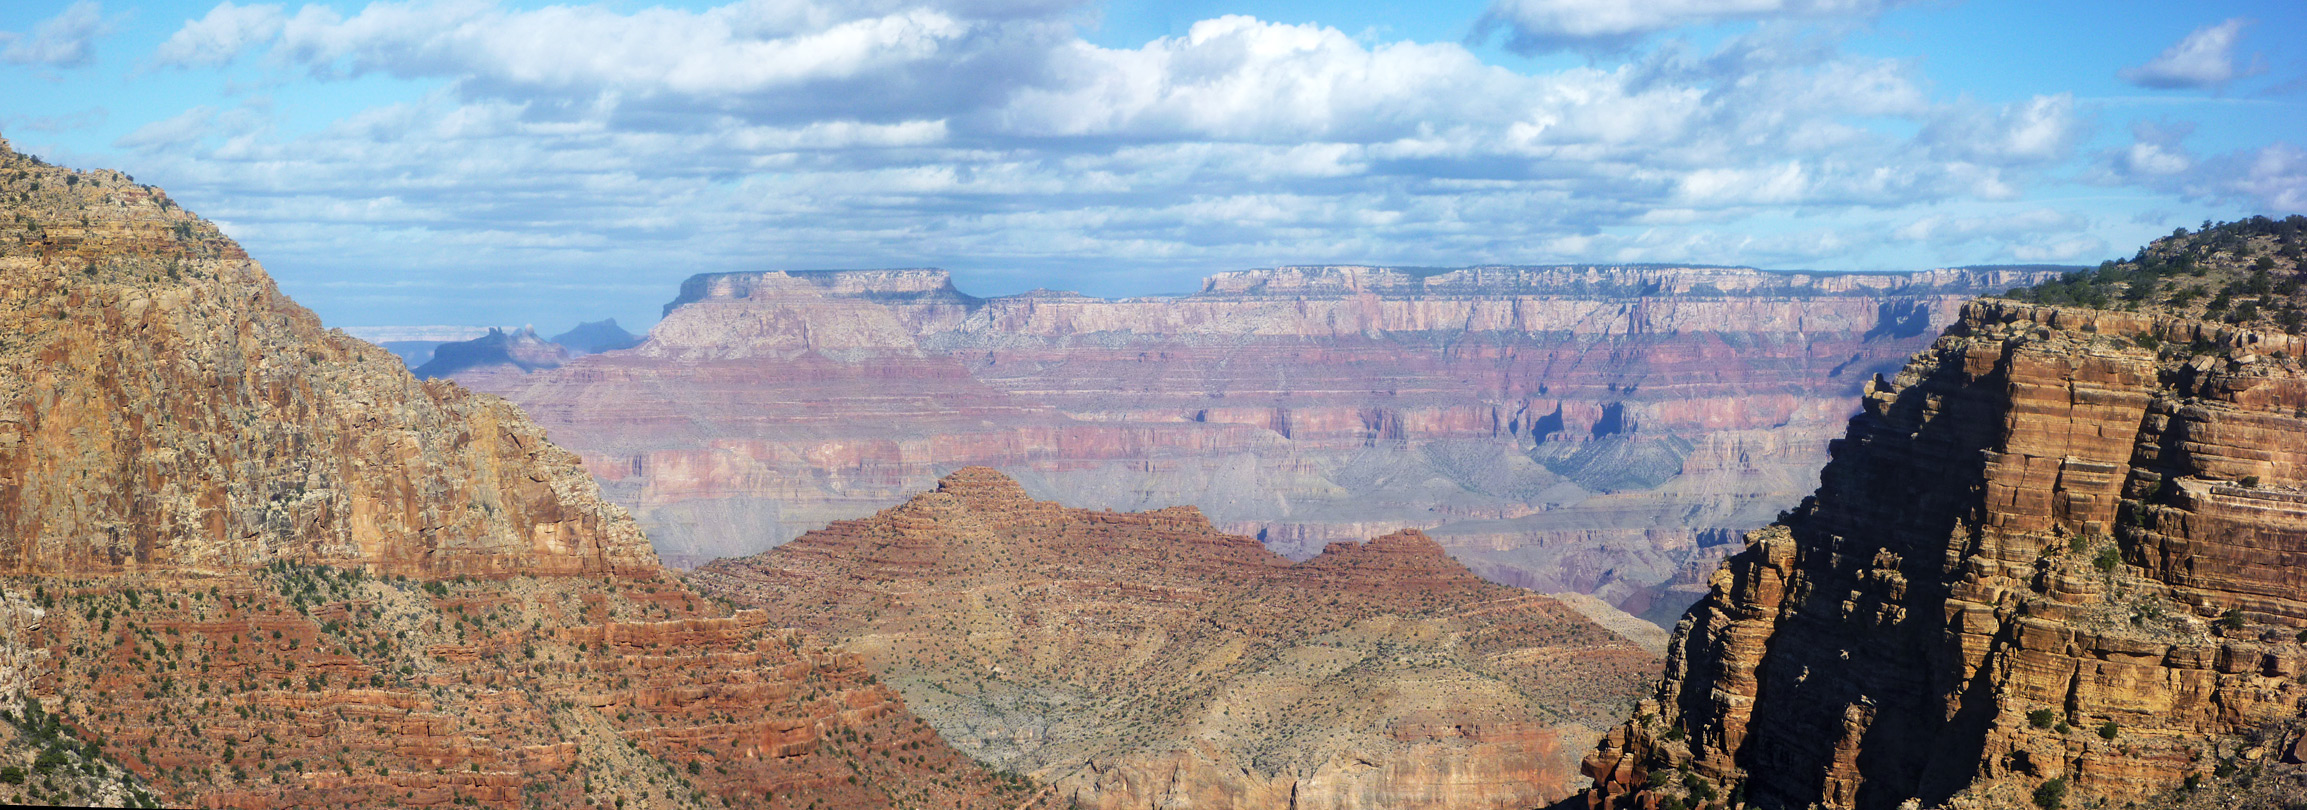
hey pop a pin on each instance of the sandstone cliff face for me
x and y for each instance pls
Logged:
(1592, 429)
(164, 408)
(247, 562)
(1149, 660)
(2057, 552)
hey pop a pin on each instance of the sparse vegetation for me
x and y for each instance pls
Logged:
(2245, 272)
(2051, 795)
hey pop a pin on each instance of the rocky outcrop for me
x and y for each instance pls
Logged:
(518, 351)
(1148, 660)
(1589, 428)
(252, 563)
(2054, 557)
(595, 337)
(163, 408)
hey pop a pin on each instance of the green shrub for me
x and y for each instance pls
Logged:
(49, 760)
(2042, 718)
(2051, 795)
(2232, 619)
(2110, 730)
(12, 775)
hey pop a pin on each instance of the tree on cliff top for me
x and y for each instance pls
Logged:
(2247, 272)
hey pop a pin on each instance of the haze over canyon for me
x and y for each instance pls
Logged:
(1569, 429)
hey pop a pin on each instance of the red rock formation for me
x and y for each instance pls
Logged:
(1147, 659)
(258, 565)
(1579, 428)
(2054, 554)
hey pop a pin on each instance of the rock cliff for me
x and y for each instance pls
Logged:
(1149, 660)
(247, 562)
(1590, 429)
(2053, 560)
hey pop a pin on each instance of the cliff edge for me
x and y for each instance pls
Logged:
(2054, 560)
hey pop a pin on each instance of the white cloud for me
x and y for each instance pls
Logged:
(1539, 25)
(2273, 178)
(183, 128)
(1241, 78)
(894, 132)
(219, 37)
(67, 40)
(2042, 129)
(732, 50)
(2270, 179)
(2204, 59)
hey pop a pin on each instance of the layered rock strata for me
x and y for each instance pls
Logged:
(247, 562)
(1588, 429)
(2054, 559)
(1150, 660)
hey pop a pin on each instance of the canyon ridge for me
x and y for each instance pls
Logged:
(1148, 660)
(1592, 429)
(248, 562)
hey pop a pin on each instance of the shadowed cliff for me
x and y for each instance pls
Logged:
(2052, 560)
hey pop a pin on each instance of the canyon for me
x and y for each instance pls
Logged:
(1149, 660)
(1590, 429)
(248, 562)
(2054, 561)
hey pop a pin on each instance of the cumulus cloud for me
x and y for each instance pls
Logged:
(2043, 129)
(1542, 25)
(2204, 59)
(67, 40)
(2270, 179)
(789, 60)
(561, 140)
(1240, 78)
(219, 37)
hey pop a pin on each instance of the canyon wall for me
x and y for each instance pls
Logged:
(1589, 429)
(1149, 660)
(2056, 558)
(247, 562)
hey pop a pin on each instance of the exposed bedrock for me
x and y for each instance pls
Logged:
(1149, 660)
(248, 562)
(1580, 428)
(2044, 552)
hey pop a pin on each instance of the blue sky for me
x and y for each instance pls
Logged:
(498, 162)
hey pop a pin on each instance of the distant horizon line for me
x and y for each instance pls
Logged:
(405, 332)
